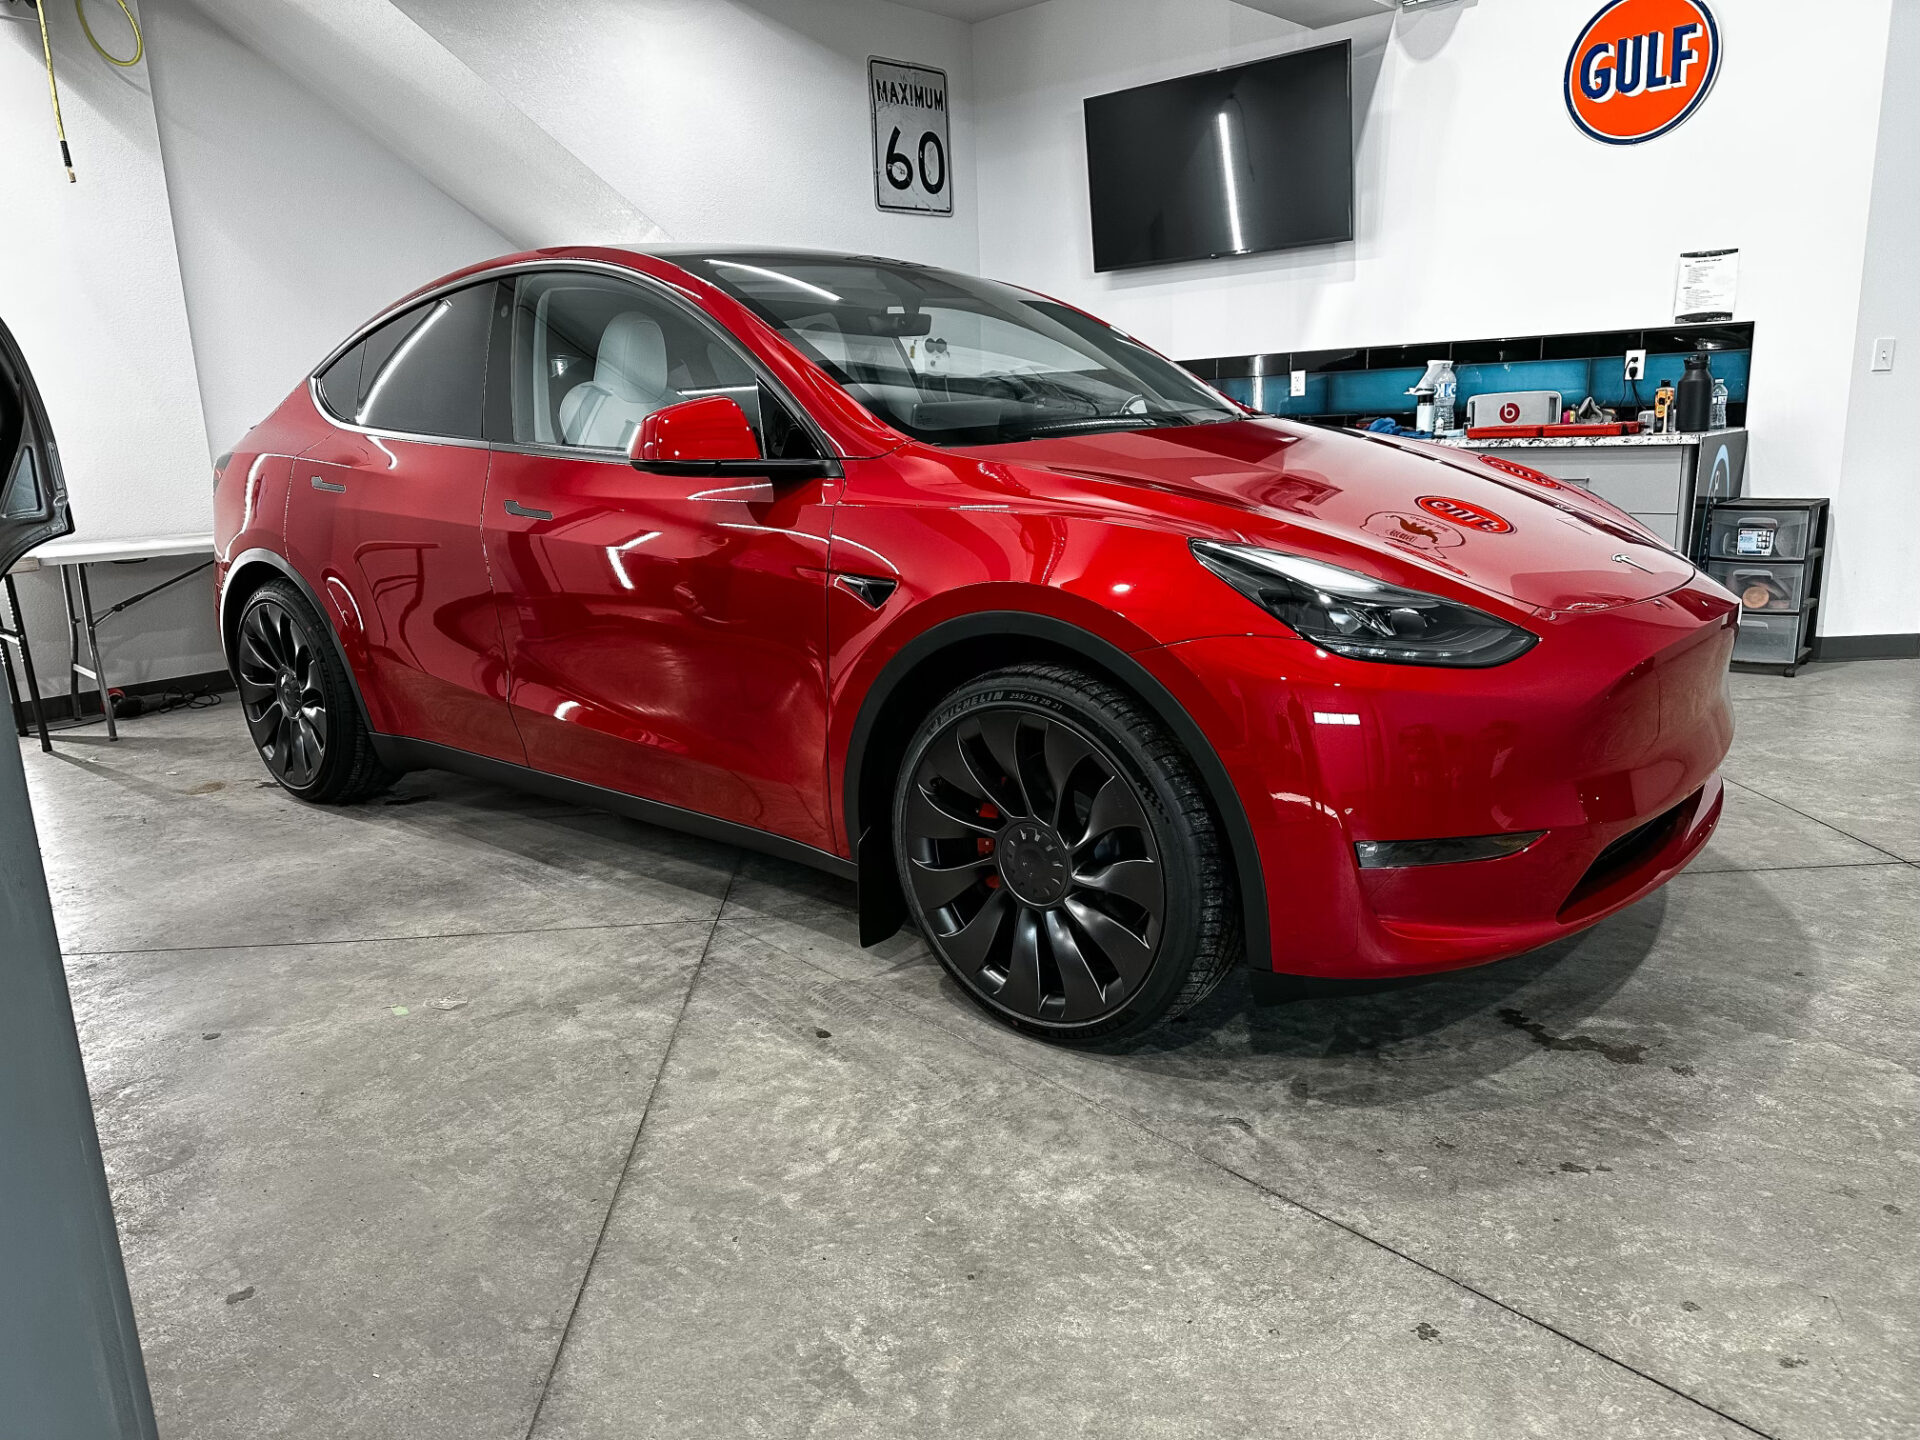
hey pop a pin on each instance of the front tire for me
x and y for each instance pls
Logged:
(299, 703)
(1057, 850)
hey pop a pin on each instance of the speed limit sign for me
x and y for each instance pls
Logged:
(912, 166)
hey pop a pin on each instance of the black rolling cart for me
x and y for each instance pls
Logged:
(1772, 554)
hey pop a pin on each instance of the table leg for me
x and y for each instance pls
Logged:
(73, 640)
(19, 626)
(93, 650)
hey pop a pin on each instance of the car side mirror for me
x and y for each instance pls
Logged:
(708, 436)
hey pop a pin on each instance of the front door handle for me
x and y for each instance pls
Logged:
(328, 486)
(514, 507)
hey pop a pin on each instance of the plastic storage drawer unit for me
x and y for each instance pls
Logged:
(1770, 554)
(1778, 589)
(1756, 534)
(1768, 639)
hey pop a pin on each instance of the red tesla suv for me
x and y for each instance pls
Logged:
(1101, 680)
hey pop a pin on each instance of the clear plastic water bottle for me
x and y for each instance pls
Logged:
(1446, 388)
(1719, 421)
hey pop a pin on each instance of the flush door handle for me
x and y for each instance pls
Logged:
(329, 486)
(526, 512)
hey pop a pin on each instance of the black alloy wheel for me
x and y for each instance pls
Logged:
(298, 701)
(1044, 869)
(281, 693)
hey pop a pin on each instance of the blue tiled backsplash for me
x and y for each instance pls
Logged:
(1367, 382)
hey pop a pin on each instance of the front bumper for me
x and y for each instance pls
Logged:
(1609, 733)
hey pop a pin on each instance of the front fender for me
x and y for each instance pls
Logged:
(939, 655)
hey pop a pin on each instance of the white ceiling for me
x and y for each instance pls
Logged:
(1315, 13)
(969, 10)
(1302, 12)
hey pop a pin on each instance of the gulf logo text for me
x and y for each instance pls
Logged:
(1641, 67)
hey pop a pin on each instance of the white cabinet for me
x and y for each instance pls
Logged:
(1655, 479)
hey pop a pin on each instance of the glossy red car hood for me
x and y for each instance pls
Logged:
(1533, 540)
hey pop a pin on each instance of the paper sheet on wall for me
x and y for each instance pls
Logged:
(1705, 285)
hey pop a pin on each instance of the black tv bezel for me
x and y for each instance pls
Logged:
(1353, 186)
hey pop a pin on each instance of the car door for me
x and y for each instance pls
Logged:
(665, 636)
(33, 493)
(72, 1363)
(383, 518)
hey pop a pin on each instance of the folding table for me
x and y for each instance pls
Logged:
(71, 556)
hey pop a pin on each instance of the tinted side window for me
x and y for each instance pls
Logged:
(592, 356)
(423, 372)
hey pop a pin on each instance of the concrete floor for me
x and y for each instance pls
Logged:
(464, 1115)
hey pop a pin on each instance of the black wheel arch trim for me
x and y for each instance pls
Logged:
(883, 910)
(248, 560)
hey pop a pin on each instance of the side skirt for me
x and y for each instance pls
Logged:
(399, 753)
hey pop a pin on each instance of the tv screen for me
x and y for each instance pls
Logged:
(1232, 162)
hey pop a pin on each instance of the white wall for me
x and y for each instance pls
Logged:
(90, 285)
(293, 225)
(1874, 576)
(371, 62)
(728, 120)
(1481, 210)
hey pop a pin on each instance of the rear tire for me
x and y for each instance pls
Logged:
(299, 702)
(1056, 849)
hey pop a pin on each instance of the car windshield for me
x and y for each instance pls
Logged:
(953, 360)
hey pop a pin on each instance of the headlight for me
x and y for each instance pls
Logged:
(1360, 617)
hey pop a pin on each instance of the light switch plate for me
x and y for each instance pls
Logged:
(1636, 364)
(1883, 353)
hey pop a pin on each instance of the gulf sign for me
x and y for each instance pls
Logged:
(1461, 513)
(1641, 67)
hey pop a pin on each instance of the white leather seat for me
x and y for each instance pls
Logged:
(629, 383)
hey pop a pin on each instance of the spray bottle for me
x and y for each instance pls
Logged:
(1426, 392)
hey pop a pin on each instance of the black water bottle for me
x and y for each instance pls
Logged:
(1693, 396)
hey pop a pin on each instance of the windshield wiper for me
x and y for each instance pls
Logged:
(1095, 422)
(1135, 420)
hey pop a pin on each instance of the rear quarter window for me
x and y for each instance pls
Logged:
(422, 373)
(340, 383)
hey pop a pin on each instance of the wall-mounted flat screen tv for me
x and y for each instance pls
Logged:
(1231, 162)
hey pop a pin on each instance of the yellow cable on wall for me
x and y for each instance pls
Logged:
(59, 125)
(53, 86)
(139, 43)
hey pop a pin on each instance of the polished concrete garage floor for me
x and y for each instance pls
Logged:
(462, 1115)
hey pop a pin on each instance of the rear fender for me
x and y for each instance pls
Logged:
(245, 573)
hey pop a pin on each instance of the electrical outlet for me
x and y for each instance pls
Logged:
(1883, 353)
(1636, 364)
(1298, 387)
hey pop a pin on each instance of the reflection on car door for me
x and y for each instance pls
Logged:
(664, 636)
(384, 520)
